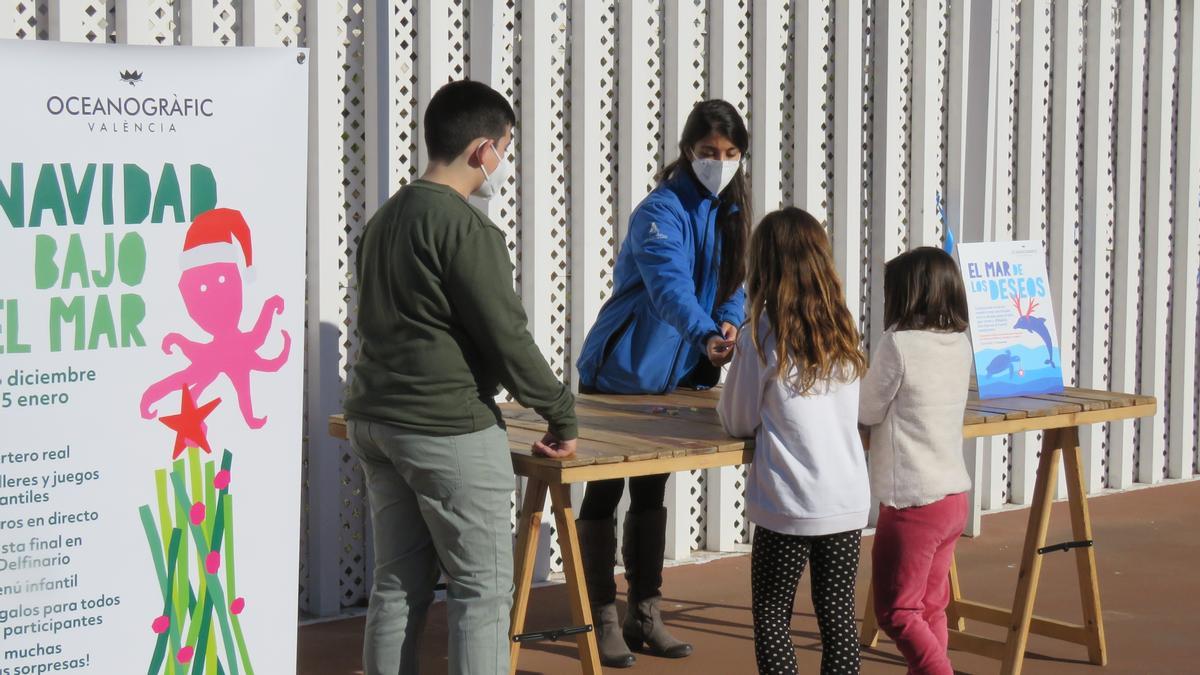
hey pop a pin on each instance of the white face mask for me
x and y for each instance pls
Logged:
(715, 174)
(493, 181)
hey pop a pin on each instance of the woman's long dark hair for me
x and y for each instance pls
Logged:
(717, 116)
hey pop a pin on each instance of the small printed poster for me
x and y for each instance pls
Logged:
(1012, 318)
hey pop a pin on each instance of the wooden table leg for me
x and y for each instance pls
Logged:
(528, 530)
(1085, 558)
(1031, 560)
(869, 635)
(953, 617)
(581, 610)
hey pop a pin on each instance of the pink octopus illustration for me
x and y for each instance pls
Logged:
(211, 286)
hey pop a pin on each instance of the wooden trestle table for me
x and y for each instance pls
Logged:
(626, 436)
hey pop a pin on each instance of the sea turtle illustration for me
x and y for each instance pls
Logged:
(1005, 361)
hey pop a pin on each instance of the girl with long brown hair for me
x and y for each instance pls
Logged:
(913, 398)
(794, 387)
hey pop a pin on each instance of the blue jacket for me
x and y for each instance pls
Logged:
(653, 330)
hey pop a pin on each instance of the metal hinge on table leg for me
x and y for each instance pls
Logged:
(1065, 546)
(552, 635)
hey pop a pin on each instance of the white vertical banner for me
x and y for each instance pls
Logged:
(1156, 246)
(977, 198)
(679, 536)
(151, 357)
(326, 277)
(637, 142)
(1032, 199)
(537, 156)
(1182, 443)
(994, 467)
(721, 504)
(766, 102)
(1066, 85)
(588, 199)
(66, 20)
(846, 209)
(487, 66)
(928, 111)
(377, 113)
(683, 87)
(958, 121)
(683, 84)
(809, 99)
(724, 77)
(258, 20)
(1128, 234)
(197, 18)
(1066, 111)
(134, 23)
(543, 43)
(727, 68)
(961, 144)
(1098, 212)
(434, 65)
(887, 213)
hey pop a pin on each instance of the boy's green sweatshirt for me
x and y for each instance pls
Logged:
(441, 327)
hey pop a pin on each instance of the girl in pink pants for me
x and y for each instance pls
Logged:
(913, 398)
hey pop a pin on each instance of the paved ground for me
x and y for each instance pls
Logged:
(1148, 549)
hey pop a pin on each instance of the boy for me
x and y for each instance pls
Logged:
(441, 328)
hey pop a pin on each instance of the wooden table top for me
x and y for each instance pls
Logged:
(640, 435)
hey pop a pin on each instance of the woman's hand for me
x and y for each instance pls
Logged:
(550, 446)
(730, 331)
(719, 349)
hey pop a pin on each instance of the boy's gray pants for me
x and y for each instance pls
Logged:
(438, 500)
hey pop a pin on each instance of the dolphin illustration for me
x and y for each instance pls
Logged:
(1026, 321)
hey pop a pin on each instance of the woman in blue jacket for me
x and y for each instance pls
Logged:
(671, 322)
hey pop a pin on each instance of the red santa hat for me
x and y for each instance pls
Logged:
(218, 236)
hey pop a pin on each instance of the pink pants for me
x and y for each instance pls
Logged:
(910, 567)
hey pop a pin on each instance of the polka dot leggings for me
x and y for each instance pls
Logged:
(777, 563)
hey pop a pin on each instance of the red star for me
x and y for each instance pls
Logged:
(189, 423)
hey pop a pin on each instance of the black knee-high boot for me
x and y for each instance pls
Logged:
(598, 548)
(643, 546)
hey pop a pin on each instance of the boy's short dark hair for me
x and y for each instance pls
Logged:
(459, 113)
(923, 290)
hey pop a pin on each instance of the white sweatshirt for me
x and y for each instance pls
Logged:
(809, 475)
(913, 398)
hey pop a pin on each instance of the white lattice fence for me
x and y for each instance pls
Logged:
(1074, 123)
(1031, 192)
